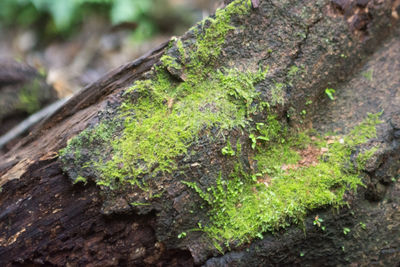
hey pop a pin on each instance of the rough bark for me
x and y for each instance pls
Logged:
(45, 220)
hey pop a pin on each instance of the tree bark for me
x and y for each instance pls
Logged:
(45, 219)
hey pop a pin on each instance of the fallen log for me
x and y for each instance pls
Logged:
(203, 147)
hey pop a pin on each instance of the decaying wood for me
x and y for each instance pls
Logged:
(45, 220)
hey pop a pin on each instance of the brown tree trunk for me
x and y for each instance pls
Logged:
(47, 220)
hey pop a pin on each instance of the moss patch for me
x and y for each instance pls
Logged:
(282, 190)
(167, 120)
(161, 116)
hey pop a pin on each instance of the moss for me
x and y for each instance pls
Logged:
(210, 43)
(277, 94)
(162, 117)
(139, 204)
(228, 150)
(182, 51)
(283, 189)
(29, 97)
(211, 38)
(169, 61)
(80, 179)
(87, 150)
(364, 131)
(364, 156)
(162, 129)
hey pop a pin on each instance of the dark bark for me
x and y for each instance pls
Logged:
(45, 220)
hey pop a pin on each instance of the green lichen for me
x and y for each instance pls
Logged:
(282, 190)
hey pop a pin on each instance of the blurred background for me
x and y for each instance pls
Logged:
(50, 49)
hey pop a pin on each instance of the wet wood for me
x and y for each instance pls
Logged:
(45, 220)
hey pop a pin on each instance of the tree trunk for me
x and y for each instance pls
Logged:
(119, 194)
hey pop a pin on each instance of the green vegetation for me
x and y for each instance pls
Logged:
(287, 184)
(182, 235)
(277, 93)
(368, 74)
(227, 150)
(166, 116)
(330, 93)
(318, 221)
(80, 179)
(55, 17)
(160, 132)
(161, 117)
(139, 204)
(346, 230)
(210, 42)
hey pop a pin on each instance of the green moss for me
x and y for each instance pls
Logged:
(283, 190)
(29, 100)
(228, 150)
(364, 131)
(80, 179)
(167, 121)
(139, 204)
(277, 94)
(169, 61)
(181, 50)
(211, 39)
(364, 156)
(87, 150)
(210, 43)
(162, 117)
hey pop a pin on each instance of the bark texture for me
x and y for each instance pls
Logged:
(46, 220)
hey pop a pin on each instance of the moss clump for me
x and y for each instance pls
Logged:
(162, 117)
(285, 187)
(278, 94)
(80, 179)
(88, 149)
(210, 43)
(167, 120)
